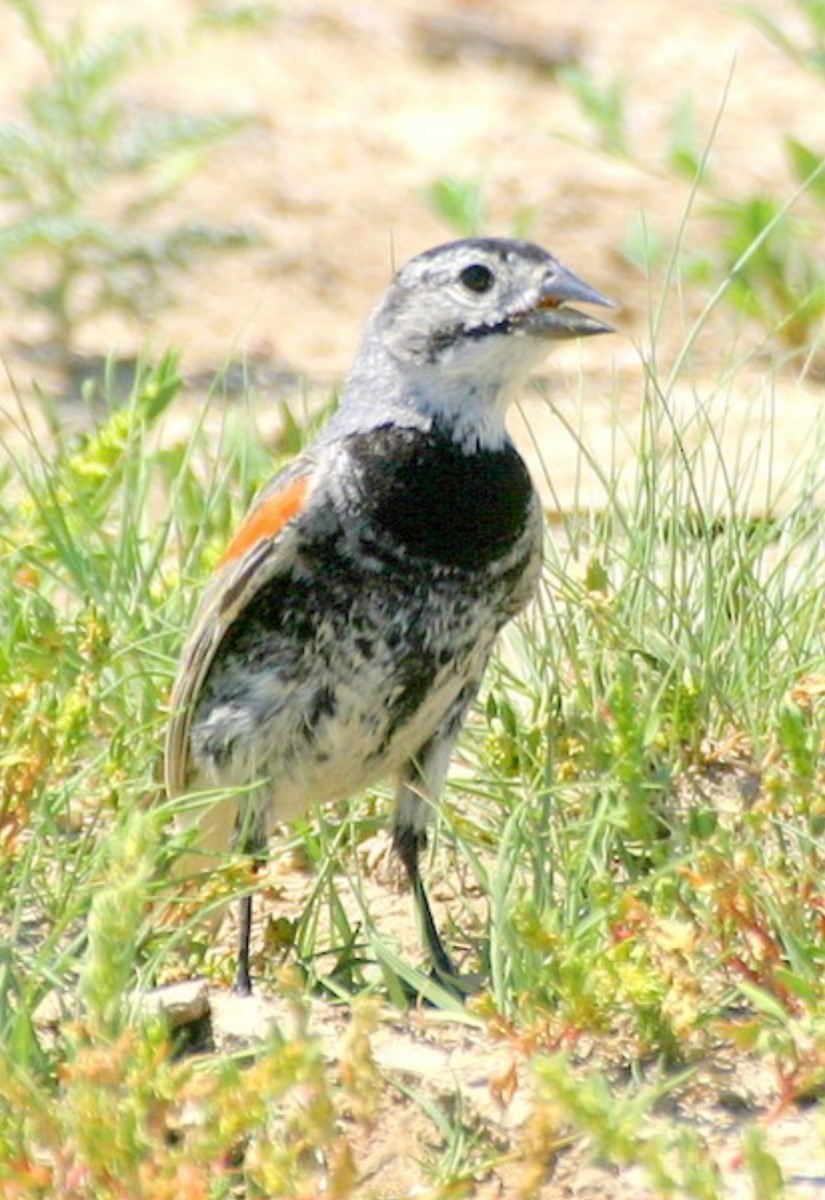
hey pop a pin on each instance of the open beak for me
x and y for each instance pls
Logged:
(552, 319)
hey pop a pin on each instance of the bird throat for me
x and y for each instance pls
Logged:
(436, 499)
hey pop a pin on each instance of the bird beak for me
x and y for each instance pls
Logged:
(550, 318)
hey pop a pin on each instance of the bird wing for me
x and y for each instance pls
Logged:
(258, 551)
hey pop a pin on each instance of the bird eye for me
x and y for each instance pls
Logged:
(477, 278)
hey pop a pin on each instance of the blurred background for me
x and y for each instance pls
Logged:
(240, 179)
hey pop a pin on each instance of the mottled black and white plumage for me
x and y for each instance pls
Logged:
(348, 627)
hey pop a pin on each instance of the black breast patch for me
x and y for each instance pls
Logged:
(458, 508)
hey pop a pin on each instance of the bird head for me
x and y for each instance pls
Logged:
(463, 324)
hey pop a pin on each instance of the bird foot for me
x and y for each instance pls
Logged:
(243, 983)
(460, 986)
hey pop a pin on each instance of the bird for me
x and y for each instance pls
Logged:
(345, 632)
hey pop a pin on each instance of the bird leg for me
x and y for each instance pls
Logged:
(408, 844)
(420, 781)
(243, 980)
(249, 841)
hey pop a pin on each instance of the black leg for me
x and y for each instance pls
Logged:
(243, 979)
(249, 840)
(419, 784)
(408, 844)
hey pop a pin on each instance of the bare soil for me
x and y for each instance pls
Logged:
(356, 108)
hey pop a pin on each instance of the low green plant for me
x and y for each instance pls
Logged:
(176, 1127)
(605, 105)
(630, 846)
(458, 202)
(805, 46)
(85, 179)
(461, 204)
(771, 258)
(766, 256)
(607, 894)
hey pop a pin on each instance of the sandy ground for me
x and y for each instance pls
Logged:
(353, 115)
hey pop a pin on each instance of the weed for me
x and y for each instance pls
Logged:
(806, 48)
(460, 204)
(767, 251)
(605, 105)
(84, 178)
(638, 802)
(633, 887)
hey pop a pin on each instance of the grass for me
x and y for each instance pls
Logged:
(88, 183)
(639, 807)
(630, 847)
(765, 250)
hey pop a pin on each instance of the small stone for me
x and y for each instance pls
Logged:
(179, 1004)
